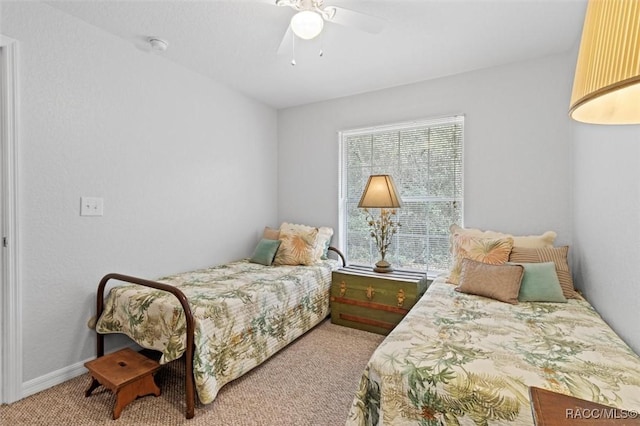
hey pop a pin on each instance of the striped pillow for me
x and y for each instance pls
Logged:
(557, 255)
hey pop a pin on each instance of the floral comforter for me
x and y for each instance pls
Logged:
(468, 360)
(244, 313)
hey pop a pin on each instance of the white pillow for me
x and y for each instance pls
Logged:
(528, 241)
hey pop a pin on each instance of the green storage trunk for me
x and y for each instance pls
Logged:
(371, 301)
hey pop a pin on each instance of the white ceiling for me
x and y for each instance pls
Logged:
(235, 42)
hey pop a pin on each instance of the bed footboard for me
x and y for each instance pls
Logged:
(189, 380)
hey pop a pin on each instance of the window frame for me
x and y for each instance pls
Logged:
(343, 135)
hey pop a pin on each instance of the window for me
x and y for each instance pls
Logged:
(425, 160)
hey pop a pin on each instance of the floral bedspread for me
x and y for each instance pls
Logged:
(468, 360)
(244, 313)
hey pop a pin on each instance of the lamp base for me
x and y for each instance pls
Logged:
(383, 266)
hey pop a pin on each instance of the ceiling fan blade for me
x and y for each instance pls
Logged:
(349, 18)
(287, 43)
(290, 3)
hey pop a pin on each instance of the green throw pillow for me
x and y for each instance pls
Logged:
(265, 251)
(540, 283)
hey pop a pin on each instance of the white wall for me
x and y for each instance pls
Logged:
(517, 145)
(167, 149)
(607, 223)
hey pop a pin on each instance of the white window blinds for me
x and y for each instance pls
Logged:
(425, 160)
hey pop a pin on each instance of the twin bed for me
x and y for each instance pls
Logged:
(461, 359)
(504, 319)
(225, 319)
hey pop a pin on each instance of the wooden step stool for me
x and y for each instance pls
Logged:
(126, 373)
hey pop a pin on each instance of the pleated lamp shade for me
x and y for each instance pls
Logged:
(606, 88)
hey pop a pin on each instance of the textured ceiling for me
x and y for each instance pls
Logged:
(236, 42)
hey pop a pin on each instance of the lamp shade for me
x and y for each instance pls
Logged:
(606, 87)
(380, 192)
(307, 24)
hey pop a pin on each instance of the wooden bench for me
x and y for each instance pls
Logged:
(128, 374)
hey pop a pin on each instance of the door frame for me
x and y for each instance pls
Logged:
(10, 291)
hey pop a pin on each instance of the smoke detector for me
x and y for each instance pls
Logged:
(158, 44)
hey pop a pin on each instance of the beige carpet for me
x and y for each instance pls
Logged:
(311, 382)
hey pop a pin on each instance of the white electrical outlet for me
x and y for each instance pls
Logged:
(91, 206)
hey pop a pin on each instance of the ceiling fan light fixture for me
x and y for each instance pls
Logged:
(307, 24)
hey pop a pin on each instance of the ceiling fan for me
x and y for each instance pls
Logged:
(311, 15)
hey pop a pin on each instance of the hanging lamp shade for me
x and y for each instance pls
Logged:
(606, 87)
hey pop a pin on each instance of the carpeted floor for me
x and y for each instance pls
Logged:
(311, 382)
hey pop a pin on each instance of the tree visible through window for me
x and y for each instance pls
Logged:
(425, 160)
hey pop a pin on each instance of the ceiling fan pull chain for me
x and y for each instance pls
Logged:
(293, 49)
(321, 54)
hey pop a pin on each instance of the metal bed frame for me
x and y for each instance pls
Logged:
(189, 385)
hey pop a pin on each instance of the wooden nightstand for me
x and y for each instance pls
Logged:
(371, 301)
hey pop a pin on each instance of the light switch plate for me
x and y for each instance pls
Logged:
(91, 206)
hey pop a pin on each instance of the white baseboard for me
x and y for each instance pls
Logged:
(41, 383)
